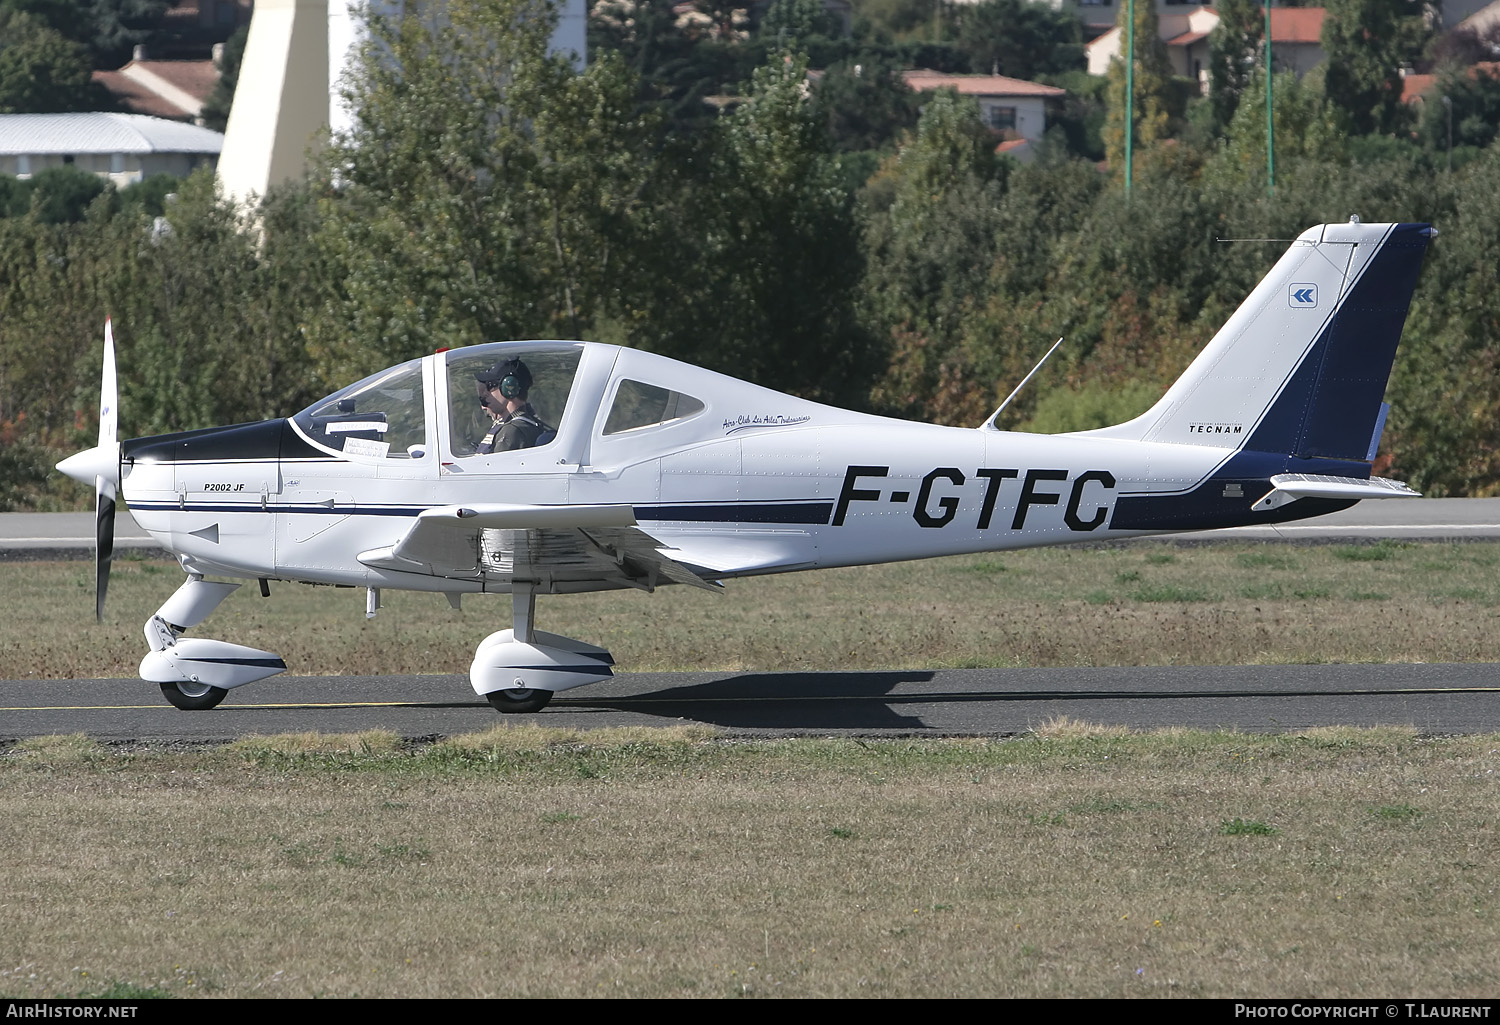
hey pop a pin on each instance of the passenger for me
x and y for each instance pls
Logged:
(503, 390)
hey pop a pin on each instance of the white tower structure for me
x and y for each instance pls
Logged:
(288, 93)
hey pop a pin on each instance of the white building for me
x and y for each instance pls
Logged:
(121, 147)
(1014, 109)
(1296, 34)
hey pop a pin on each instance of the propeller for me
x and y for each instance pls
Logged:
(100, 466)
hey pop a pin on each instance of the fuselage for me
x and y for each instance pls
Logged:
(734, 478)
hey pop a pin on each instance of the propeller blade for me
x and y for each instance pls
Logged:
(109, 391)
(104, 541)
(101, 464)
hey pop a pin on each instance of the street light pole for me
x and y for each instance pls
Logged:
(1270, 112)
(1129, 91)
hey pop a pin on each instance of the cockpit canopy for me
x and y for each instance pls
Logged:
(385, 415)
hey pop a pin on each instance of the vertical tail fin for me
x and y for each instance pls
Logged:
(1300, 369)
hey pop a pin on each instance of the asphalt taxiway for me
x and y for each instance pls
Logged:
(1436, 699)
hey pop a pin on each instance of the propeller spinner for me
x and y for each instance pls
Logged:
(100, 466)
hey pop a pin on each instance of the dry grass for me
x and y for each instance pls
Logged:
(367, 742)
(1062, 727)
(73, 747)
(1153, 604)
(508, 739)
(1334, 863)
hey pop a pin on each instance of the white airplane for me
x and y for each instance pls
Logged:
(636, 470)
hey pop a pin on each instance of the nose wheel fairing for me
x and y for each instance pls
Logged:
(191, 669)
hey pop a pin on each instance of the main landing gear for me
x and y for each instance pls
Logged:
(518, 670)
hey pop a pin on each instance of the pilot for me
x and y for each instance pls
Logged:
(503, 390)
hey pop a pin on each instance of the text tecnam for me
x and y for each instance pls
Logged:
(1088, 499)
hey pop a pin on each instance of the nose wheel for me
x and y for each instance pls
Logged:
(195, 697)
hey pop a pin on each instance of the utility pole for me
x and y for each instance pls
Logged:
(1129, 91)
(1270, 113)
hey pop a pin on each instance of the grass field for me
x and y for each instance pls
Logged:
(1154, 604)
(1076, 861)
(527, 862)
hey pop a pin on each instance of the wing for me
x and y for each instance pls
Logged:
(557, 547)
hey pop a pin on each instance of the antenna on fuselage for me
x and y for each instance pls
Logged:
(990, 423)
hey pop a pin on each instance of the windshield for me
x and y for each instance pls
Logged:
(383, 416)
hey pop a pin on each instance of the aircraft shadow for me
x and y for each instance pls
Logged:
(862, 700)
(823, 700)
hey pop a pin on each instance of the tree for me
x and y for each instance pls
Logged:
(1466, 98)
(109, 29)
(1019, 38)
(792, 21)
(216, 108)
(930, 253)
(787, 245)
(61, 195)
(41, 72)
(482, 188)
(678, 70)
(1152, 85)
(865, 104)
(1234, 47)
(1306, 129)
(1366, 42)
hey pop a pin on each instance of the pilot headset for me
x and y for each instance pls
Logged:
(510, 386)
(511, 378)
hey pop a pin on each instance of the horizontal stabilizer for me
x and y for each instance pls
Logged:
(1289, 487)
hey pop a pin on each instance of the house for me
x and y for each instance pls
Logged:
(1296, 46)
(1014, 109)
(175, 90)
(1418, 87)
(124, 148)
(1099, 16)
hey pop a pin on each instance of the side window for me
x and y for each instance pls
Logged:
(547, 378)
(640, 405)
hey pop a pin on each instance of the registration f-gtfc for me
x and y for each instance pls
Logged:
(551, 467)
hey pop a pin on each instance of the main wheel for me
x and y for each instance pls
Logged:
(516, 699)
(193, 697)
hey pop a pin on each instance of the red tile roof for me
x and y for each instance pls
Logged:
(1296, 24)
(1187, 38)
(1413, 87)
